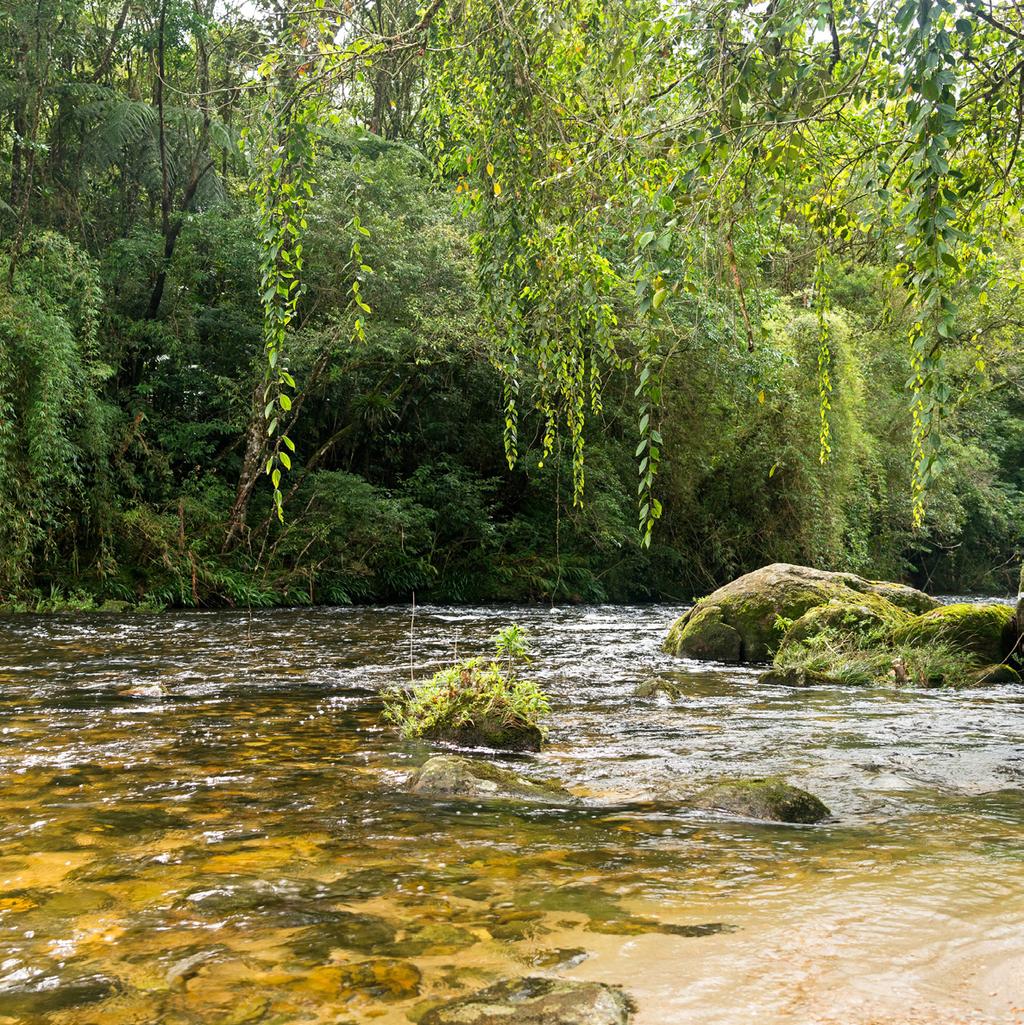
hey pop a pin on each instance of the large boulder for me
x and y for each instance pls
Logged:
(1020, 611)
(535, 1001)
(771, 799)
(451, 776)
(741, 621)
(987, 631)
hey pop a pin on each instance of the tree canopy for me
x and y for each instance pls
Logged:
(797, 218)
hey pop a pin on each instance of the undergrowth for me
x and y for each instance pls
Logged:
(865, 659)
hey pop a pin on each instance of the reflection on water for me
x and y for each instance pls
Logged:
(202, 822)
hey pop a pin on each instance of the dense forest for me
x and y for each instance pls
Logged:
(760, 285)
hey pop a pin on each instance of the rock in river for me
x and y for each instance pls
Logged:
(491, 733)
(771, 799)
(535, 1001)
(987, 631)
(745, 620)
(454, 776)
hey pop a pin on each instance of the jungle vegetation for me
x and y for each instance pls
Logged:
(506, 300)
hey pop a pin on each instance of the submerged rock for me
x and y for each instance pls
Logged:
(771, 799)
(47, 995)
(658, 685)
(988, 631)
(382, 979)
(350, 930)
(741, 621)
(454, 776)
(433, 940)
(535, 1001)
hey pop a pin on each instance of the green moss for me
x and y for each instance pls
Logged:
(673, 641)
(741, 621)
(866, 659)
(867, 615)
(1001, 673)
(986, 631)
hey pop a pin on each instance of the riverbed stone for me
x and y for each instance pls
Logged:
(53, 994)
(745, 620)
(433, 940)
(382, 979)
(535, 1001)
(771, 799)
(987, 631)
(452, 776)
(658, 685)
(349, 930)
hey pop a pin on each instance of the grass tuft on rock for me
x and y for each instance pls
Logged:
(858, 658)
(477, 702)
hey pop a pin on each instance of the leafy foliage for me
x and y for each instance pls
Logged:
(470, 692)
(693, 253)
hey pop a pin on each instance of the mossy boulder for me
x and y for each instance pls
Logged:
(1020, 610)
(866, 616)
(739, 622)
(535, 1001)
(450, 776)
(987, 631)
(771, 799)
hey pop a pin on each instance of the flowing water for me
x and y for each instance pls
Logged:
(201, 821)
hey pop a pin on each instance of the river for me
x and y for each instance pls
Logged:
(204, 822)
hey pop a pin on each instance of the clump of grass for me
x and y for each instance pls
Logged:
(861, 659)
(484, 693)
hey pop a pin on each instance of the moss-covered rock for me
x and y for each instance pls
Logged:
(451, 776)
(796, 676)
(771, 799)
(535, 1001)
(1020, 615)
(658, 685)
(740, 622)
(1001, 673)
(489, 733)
(987, 631)
(867, 615)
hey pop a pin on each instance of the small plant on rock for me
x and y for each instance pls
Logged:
(477, 702)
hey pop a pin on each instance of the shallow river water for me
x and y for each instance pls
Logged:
(201, 821)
